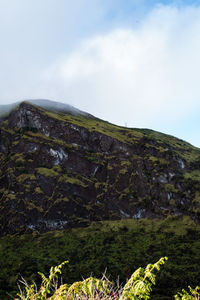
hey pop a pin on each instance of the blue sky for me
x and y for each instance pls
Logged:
(133, 62)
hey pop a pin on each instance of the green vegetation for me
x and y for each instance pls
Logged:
(71, 180)
(194, 175)
(115, 174)
(157, 160)
(47, 172)
(161, 142)
(197, 197)
(38, 190)
(119, 246)
(193, 294)
(94, 124)
(24, 177)
(139, 286)
(170, 188)
(18, 158)
(40, 138)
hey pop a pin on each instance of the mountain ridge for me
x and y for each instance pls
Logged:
(61, 170)
(50, 105)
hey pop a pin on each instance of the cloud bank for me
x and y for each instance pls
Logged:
(134, 64)
(144, 76)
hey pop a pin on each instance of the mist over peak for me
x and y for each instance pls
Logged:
(47, 104)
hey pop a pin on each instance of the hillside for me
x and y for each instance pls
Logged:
(120, 247)
(60, 169)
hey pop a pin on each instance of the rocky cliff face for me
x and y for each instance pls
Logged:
(60, 170)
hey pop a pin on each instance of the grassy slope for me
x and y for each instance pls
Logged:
(120, 246)
(127, 135)
(131, 135)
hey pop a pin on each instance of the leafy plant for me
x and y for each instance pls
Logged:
(90, 288)
(48, 285)
(184, 295)
(139, 286)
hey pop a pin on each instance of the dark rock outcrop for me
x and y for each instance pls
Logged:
(60, 170)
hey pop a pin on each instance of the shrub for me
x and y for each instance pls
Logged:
(139, 286)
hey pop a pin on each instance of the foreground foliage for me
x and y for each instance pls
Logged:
(139, 286)
(120, 246)
(192, 294)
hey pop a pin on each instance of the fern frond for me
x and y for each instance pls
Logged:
(139, 285)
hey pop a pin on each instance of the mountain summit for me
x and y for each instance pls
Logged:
(43, 103)
(61, 167)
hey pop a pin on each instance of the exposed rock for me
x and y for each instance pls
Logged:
(60, 170)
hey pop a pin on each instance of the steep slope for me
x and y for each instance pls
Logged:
(60, 170)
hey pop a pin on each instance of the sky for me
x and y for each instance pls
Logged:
(134, 63)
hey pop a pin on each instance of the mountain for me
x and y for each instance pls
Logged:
(46, 104)
(62, 168)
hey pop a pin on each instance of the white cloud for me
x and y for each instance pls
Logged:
(143, 71)
(146, 76)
